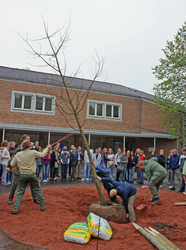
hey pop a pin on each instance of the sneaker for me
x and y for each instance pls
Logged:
(15, 211)
(170, 186)
(173, 188)
(10, 201)
(156, 200)
(83, 179)
(9, 183)
(44, 180)
(87, 179)
(152, 199)
(161, 186)
(43, 208)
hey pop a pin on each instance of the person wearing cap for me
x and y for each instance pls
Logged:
(26, 162)
(16, 176)
(127, 192)
(155, 174)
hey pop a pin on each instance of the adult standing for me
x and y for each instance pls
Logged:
(117, 162)
(69, 167)
(123, 167)
(110, 161)
(46, 166)
(26, 162)
(80, 160)
(25, 137)
(96, 158)
(132, 162)
(5, 159)
(181, 163)
(55, 162)
(104, 157)
(155, 174)
(74, 162)
(175, 168)
(65, 159)
(168, 169)
(87, 165)
(161, 160)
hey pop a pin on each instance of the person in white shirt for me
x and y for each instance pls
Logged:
(87, 165)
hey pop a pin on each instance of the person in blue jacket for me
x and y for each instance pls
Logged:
(174, 166)
(101, 171)
(127, 192)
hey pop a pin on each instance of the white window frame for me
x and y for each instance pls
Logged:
(104, 117)
(33, 103)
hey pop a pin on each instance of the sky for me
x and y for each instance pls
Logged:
(130, 35)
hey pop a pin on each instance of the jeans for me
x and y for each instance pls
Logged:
(111, 170)
(38, 170)
(182, 188)
(5, 174)
(170, 179)
(86, 170)
(131, 174)
(122, 176)
(141, 175)
(64, 171)
(45, 171)
(9, 176)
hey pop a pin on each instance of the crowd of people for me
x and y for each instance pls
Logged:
(23, 164)
(63, 163)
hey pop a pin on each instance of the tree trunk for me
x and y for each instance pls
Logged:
(101, 196)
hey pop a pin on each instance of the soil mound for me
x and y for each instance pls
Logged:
(69, 204)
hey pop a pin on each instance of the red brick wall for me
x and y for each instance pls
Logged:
(130, 111)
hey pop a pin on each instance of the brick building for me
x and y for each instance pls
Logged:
(116, 116)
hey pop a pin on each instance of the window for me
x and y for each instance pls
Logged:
(22, 101)
(101, 110)
(31, 102)
(95, 109)
(43, 103)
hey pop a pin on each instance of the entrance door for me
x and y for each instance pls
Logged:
(118, 145)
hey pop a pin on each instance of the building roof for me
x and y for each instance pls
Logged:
(52, 79)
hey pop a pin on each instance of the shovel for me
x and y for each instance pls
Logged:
(141, 206)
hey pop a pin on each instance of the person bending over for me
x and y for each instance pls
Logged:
(155, 174)
(127, 192)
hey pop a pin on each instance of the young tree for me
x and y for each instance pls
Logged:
(170, 93)
(70, 102)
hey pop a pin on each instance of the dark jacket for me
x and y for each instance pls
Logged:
(174, 162)
(65, 158)
(104, 172)
(53, 158)
(132, 162)
(125, 190)
(161, 160)
(74, 159)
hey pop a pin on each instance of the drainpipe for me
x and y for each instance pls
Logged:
(48, 137)
(3, 134)
(123, 143)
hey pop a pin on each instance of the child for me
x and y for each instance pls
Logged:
(65, 159)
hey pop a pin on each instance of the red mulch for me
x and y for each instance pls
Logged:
(69, 204)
